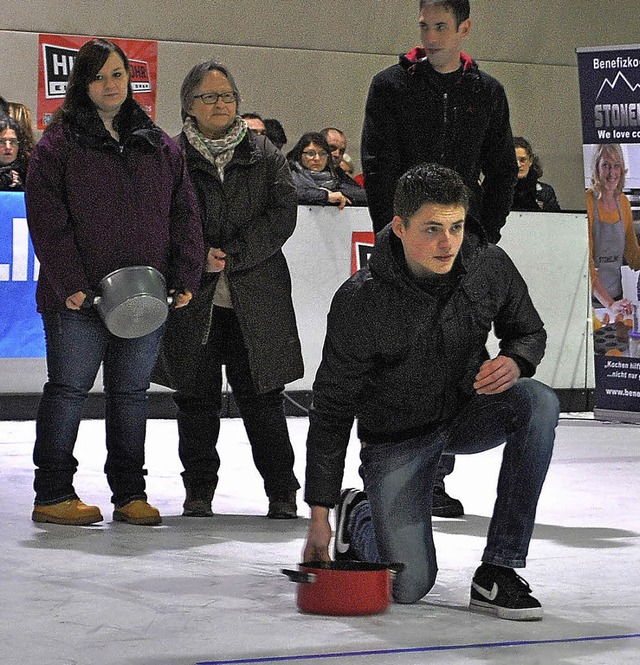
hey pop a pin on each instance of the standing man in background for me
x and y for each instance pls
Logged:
(436, 105)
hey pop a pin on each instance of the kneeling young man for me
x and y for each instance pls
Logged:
(405, 354)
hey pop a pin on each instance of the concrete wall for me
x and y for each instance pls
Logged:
(309, 63)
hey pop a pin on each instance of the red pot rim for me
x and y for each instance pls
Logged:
(350, 566)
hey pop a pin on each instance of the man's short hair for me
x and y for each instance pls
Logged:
(459, 8)
(428, 183)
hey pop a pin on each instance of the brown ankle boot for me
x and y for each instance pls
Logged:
(137, 512)
(72, 512)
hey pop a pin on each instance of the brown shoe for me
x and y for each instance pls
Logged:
(72, 512)
(137, 512)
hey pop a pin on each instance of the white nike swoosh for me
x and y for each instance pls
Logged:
(341, 547)
(489, 595)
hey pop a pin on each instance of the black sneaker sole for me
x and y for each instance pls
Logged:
(447, 511)
(511, 614)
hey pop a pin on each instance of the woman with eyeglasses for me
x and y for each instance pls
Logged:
(612, 237)
(106, 189)
(13, 159)
(529, 192)
(21, 113)
(317, 180)
(242, 317)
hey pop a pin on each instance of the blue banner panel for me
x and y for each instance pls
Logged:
(21, 334)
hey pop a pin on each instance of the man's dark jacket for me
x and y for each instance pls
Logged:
(410, 119)
(402, 361)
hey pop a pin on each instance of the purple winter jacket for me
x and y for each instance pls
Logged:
(95, 205)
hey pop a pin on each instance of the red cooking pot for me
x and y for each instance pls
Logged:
(343, 588)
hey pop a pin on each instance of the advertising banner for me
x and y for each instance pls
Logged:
(609, 79)
(361, 247)
(55, 61)
(21, 334)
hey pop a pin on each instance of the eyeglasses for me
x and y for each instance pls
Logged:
(14, 143)
(335, 147)
(213, 97)
(312, 154)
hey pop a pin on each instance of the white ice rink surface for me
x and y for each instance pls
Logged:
(210, 591)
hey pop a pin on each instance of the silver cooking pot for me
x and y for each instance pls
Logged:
(132, 301)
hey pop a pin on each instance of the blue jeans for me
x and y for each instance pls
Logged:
(395, 524)
(77, 343)
(445, 467)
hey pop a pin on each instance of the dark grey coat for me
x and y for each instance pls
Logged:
(249, 216)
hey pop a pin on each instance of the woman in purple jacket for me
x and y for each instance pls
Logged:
(106, 189)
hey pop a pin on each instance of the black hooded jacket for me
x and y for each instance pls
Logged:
(412, 117)
(402, 361)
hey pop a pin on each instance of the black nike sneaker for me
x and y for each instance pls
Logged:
(501, 591)
(349, 499)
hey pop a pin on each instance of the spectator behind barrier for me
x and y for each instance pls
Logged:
(255, 123)
(529, 192)
(275, 132)
(13, 161)
(337, 141)
(22, 115)
(317, 180)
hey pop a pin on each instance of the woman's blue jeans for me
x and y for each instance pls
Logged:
(399, 480)
(77, 343)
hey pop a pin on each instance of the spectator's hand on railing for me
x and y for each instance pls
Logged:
(340, 199)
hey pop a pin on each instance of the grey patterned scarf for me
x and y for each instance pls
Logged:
(217, 151)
